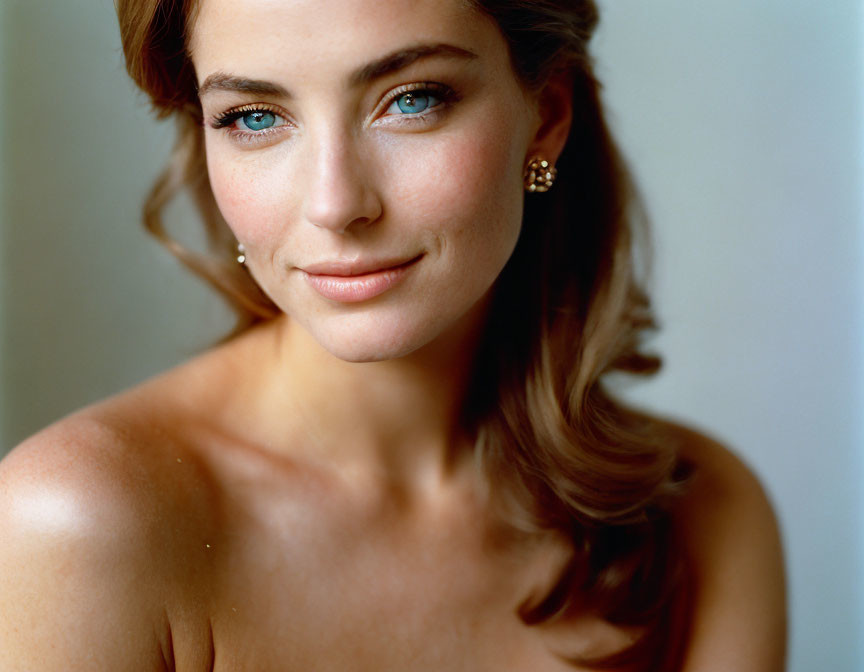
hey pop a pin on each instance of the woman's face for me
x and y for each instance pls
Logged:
(361, 134)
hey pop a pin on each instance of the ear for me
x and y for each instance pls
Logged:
(554, 104)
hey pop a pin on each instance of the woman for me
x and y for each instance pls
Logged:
(405, 458)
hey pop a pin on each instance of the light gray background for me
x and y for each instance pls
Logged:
(743, 122)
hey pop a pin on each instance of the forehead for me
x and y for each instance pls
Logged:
(319, 38)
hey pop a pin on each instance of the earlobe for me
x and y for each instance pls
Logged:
(555, 108)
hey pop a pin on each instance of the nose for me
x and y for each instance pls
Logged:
(339, 192)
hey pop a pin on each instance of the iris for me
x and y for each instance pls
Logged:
(259, 120)
(412, 102)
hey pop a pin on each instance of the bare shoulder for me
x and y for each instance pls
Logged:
(73, 479)
(108, 471)
(719, 477)
(721, 487)
(86, 558)
(83, 457)
(731, 536)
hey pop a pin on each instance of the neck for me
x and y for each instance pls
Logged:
(395, 422)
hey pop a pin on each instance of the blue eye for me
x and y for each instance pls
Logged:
(258, 120)
(249, 121)
(414, 102)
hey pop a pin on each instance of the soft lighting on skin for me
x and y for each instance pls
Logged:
(340, 170)
(51, 511)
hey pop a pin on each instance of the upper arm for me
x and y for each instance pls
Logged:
(75, 585)
(733, 543)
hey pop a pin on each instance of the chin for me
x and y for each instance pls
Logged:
(371, 342)
(380, 333)
(375, 351)
(365, 356)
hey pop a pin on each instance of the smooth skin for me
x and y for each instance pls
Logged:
(301, 498)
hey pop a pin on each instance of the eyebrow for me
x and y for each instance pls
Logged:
(392, 62)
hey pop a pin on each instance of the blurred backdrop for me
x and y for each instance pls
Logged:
(743, 123)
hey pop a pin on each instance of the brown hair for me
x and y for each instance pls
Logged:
(562, 453)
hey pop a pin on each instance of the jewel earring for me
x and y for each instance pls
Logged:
(241, 254)
(539, 175)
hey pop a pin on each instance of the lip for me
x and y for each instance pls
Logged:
(353, 268)
(351, 282)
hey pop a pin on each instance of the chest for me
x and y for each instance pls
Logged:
(358, 615)
(298, 589)
(294, 575)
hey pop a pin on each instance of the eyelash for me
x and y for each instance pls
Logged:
(444, 94)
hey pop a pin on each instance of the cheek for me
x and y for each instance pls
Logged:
(247, 197)
(468, 191)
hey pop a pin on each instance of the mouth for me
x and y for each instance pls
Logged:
(349, 282)
(346, 269)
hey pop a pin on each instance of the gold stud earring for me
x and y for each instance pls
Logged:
(539, 175)
(241, 254)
